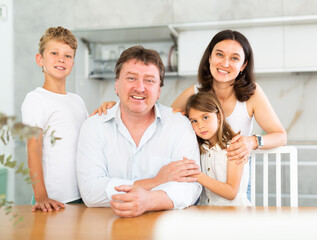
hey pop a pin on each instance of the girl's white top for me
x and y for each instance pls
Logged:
(214, 164)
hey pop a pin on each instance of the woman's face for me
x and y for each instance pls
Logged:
(227, 61)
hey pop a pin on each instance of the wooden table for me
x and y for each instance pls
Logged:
(80, 222)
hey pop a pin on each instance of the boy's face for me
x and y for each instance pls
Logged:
(57, 60)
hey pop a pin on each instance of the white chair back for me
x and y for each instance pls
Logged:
(291, 151)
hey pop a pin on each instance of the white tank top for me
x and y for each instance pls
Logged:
(239, 119)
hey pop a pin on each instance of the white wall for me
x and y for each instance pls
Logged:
(6, 78)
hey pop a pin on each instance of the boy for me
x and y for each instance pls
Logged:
(52, 109)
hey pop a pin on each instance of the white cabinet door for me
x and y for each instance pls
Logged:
(267, 45)
(301, 46)
(266, 42)
(191, 46)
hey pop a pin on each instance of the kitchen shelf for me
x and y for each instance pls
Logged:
(289, 70)
(112, 76)
(125, 35)
(265, 71)
(242, 23)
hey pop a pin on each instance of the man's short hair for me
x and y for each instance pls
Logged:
(144, 55)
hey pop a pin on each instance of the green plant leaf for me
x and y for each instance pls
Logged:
(20, 168)
(9, 163)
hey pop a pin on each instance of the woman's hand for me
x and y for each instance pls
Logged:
(47, 205)
(240, 148)
(178, 171)
(103, 108)
(176, 110)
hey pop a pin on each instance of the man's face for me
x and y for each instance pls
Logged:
(138, 87)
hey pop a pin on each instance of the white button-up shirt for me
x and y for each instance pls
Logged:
(107, 156)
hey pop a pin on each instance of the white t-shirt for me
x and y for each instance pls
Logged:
(214, 164)
(64, 114)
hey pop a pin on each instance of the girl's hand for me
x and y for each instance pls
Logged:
(103, 108)
(47, 205)
(178, 171)
(240, 148)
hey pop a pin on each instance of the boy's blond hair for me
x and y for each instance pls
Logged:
(58, 34)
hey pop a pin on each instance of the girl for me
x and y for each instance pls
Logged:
(225, 182)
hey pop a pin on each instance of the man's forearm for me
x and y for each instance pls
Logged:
(160, 201)
(147, 184)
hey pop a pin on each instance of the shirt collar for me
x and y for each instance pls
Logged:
(216, 148)
(115, 113)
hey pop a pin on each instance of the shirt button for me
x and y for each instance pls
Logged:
(209, 155)
(208, 169)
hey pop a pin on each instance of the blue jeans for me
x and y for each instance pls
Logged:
(249, 184)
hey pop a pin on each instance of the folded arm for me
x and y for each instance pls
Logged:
(176, 171)
(230, 188)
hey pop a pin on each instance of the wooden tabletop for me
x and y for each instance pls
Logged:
(79, 222)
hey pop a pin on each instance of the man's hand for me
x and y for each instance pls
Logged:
(240, 148)
(47, 205)
(178, 171)
(134, 202)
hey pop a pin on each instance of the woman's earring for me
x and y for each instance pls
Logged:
(240, 72)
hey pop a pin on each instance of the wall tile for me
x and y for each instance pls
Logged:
(302, 7)
(202, 10)
(293, 99)
(103, 14)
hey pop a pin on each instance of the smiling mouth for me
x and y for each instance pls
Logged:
(223, 71)
(60, 68)
(138, 97)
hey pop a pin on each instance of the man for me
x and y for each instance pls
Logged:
(121, 155)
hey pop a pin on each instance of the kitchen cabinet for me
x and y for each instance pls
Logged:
(105, 46)
(300, 47)
(283, 44)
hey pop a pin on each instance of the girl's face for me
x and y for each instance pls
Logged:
(205, 124)
(227, 61)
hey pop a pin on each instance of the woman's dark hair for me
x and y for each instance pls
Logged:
(208, 102)
(244, 85)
